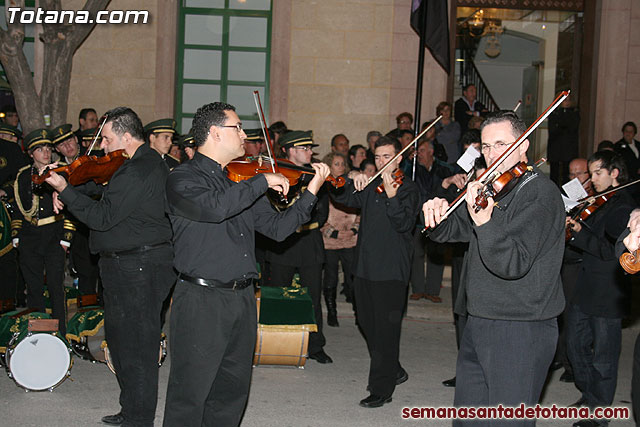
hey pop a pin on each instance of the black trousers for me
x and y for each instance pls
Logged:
(311, 278)
(569, 275)
(379, 309)
(460, 320)
(212, 337)
(435, 265)
(503, 362)
(40, 254)
(593, 346)
(134, 288)
(85, 264)
(9, 274)
(635, 382)
(332, 257)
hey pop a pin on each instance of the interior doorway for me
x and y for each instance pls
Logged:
(524, 57)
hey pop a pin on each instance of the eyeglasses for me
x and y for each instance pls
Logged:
(498, 146)
(304, 147)
(238, 126)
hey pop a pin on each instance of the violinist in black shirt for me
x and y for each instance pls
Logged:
(602, 295)
(383, 266)
(213, 319)
(133, 236)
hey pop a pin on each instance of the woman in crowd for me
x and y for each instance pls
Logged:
(340, 234)
(448, 132)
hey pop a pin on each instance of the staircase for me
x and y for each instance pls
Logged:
(467, 73)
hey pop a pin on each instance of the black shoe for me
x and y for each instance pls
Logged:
(555, 366)
(321, 357)
(567, 377)
(114, 420)
(450, 382)
(580, 402)
(402, 376)
(374, 401)
(586, 423)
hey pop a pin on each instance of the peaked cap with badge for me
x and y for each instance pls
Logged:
(296, 138)
(61, 133)
(36, 138)
(159, 126)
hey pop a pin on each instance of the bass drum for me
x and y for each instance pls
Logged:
(39, 361)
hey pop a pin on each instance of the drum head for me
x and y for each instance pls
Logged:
(39, 362)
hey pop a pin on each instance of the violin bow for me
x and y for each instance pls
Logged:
(382, 169)
(487, 174)
(263, 125)
(95, 138)
(591, 199)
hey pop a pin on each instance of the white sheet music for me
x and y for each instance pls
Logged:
(468, 159)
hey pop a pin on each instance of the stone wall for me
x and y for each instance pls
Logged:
(618, 91)
(116, 66)
(352, 68)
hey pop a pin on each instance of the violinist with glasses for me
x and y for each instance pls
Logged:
(213, 317)
(601, 298)
(510, 275)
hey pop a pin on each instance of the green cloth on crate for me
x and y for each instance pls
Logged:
(85, 324)
(286, 306)
(70, 296)
(9, 326)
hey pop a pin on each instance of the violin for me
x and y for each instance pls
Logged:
(87, 168)
(397, 176)
(240, 170)
(587, 209)
(501, 186)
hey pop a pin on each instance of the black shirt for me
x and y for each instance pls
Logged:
(214, 219)
(130, 213)
(385, 242)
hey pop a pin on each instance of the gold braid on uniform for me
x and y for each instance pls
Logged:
(34, 201)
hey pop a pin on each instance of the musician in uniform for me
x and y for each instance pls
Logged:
(41, 235)
(86, 139)
(187, 146)
(160, 135)
(254, 145)
(510, 275)
(12, 159)
(133, 236)
(303, 251)
(82, 261)
(213, 318)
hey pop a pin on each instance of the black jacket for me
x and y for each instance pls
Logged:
(563, 135)
(602, 289)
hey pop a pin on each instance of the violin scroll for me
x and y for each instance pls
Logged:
(630, 262)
